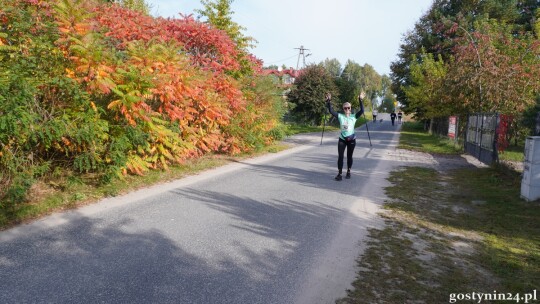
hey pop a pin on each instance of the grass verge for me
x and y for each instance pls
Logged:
(460, 232)
(414, 138)
(513, 153)
(293, 129)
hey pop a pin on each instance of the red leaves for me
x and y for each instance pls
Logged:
(209, 48)
(168, 78)
(498, 66)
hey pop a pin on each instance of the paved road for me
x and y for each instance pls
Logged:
(275, 229)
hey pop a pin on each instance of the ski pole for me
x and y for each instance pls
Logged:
(324, 124)
(361, 100)
(367, 129)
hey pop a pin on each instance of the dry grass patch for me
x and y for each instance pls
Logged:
(464, 230)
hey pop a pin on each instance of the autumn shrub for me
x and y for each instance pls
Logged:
(97, 88)
(260, 122)
(45, 118)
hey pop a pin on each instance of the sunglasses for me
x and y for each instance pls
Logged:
(346, 108)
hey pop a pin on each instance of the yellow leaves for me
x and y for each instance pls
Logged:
(70, 73)
(64, 30)
(137, 165)
(114, 104)
(147, 96)
(161, 149)
(104, 72)
(74, 15)
(163, 162)
(82, 28)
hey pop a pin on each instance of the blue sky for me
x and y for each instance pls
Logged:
(365, 31)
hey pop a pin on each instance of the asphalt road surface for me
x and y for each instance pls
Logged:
(273, 229)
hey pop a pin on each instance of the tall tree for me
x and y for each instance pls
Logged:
(308, 93)
(495, 69)
(345, 84)
(219, 14)
(387, 103)
(424, 93)
(388, 100)
(386, 85)
(349, 82)
(333, 66)
(352, 71)
(430, 32)
(371, 81)
(347, 90)
(136, 5)
(363, 78)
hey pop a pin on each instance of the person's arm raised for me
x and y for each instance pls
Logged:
(329, 105)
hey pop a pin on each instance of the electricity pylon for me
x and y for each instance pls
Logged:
(302, 54)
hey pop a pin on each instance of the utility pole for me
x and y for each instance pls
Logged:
(301, 53)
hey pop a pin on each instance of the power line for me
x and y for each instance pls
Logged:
(281, 59)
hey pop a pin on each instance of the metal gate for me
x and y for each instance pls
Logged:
(481, 137)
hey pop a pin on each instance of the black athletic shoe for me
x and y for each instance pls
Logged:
(348, 175)
(338, 177)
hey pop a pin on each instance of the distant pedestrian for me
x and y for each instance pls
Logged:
(399, 114)
(374, 113)
(347, 137)
(393, 117)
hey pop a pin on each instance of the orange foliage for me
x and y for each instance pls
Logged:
(172, 74)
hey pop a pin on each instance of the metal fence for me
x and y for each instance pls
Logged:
(481, 136)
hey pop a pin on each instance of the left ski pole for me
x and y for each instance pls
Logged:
(324, 124)
(367, 130)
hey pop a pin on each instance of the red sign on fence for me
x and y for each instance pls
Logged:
(505, 122)
(452, 122)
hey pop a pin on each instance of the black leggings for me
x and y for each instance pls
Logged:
(341, 150)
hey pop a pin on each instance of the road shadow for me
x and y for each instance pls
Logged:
(94, 262)
(105, 261)
(301, 230)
